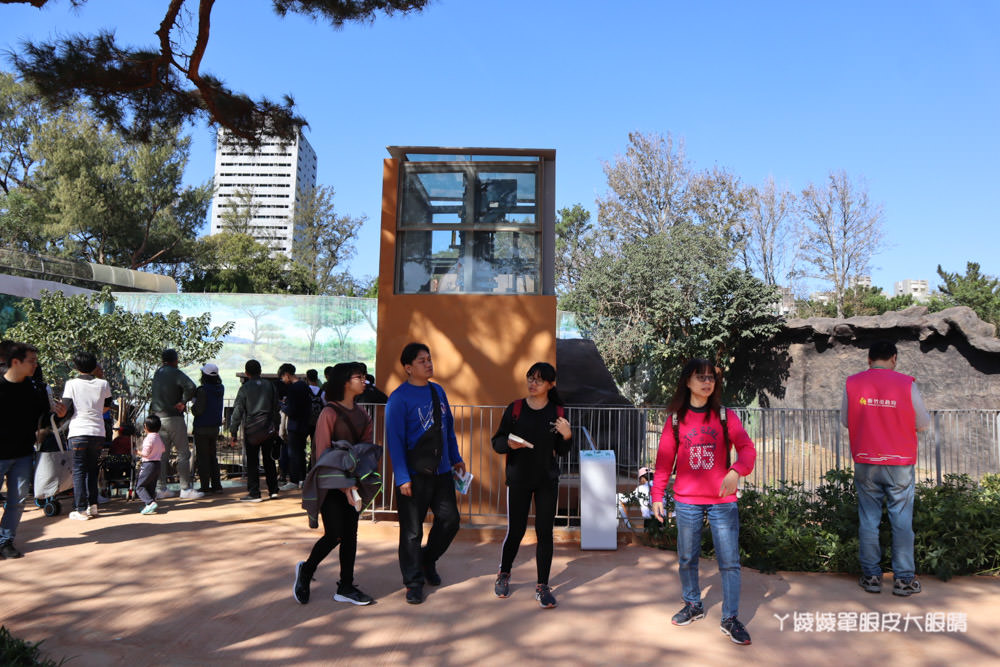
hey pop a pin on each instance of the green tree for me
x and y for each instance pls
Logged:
(236, 263)
(670, 298)
(858, 300)
(127, 344)
(239, 210)
(324, 240)
(137, 89)
(20, 117)
(662, 285)
(976, 290)
(574, 237)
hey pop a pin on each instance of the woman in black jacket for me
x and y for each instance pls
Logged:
(533, 433)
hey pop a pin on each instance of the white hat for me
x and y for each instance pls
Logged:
(210, 369)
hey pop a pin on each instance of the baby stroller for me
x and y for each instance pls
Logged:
(118, 465)
(53, 468)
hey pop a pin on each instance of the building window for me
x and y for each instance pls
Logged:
(469, 227)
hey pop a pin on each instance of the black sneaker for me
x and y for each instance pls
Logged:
(250, 499)
(872, 584)
(502, 586)
(415, 594)
(690, 612)
(350, 593)
(303, 577)
(544, 596)
(901, 587)
(8, 550)
(737, 633)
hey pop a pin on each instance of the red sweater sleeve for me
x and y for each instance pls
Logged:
(664, 462)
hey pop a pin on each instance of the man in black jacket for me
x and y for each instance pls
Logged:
(21, 406)
(257, 398)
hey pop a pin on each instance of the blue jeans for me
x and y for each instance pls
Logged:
(724, 520)
(86, 453)
(18, 472)
(894, 484)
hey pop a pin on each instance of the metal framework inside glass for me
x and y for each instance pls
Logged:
(469, 227)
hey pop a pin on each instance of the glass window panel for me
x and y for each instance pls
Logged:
(434, 197)
(459, 261)
(506, 198)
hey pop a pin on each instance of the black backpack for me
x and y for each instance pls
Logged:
(315, 407)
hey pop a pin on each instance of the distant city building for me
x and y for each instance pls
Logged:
(918, 289)
(275, 175)
(786, 302)
(859, 281)
(825, 298)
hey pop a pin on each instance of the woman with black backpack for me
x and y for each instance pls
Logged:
(695, 447)
(533, 433)
(341, 419)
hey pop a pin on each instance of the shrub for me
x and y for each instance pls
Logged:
(16, 652)
(785, 527)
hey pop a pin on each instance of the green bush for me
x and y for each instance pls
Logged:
(785, 527)
(16, 652)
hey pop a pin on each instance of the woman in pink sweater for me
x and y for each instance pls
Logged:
(695, 447)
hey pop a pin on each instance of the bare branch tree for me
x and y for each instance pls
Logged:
(770, 233)
(842, 232)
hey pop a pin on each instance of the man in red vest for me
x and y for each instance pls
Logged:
(883, 411)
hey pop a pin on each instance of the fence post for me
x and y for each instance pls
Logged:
(781, 451)
(937, 445)
(836, 439)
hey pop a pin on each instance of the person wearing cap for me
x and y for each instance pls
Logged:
(171, 391)
(207, 411)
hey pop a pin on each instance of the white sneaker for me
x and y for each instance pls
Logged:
(78, 516)
(92, 511)
(290, 486)
(191, 494)
(165, 493)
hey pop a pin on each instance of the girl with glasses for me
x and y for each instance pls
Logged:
(695, 448)
(533, 433)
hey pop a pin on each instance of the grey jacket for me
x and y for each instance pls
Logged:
(340, 467)
(170, 387)
(254, 397)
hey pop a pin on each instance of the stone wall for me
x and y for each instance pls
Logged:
(954, 356)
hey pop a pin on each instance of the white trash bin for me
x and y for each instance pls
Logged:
(598, 500)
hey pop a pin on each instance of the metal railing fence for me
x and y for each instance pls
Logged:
(793, 446)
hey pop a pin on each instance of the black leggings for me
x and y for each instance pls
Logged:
(546, 494)
(340, 526)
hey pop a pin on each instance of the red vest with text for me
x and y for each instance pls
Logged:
(880, 418)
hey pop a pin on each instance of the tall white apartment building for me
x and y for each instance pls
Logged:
(918, 289)
(276, 175)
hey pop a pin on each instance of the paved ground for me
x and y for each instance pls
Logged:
(209, 582)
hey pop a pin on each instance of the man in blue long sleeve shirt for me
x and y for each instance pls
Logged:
(408, 414)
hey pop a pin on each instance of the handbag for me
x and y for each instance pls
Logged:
(259, 429)
(425, 456)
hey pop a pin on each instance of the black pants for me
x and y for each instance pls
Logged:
(254, 453)
(206, 439)
(519, 496)
(340, 526)
(437, 493)
(296, 445)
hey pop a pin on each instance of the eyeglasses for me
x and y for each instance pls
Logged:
(534, 379)
(705, 378)
(359, 377)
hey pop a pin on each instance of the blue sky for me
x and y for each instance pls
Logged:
(903, 94)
